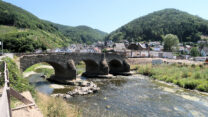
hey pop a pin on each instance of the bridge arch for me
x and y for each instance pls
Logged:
(115, 66)
(97, 64)
(91, 68)
(56, 66)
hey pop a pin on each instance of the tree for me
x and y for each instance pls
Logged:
(187, 27)
(194, 52)
(170, 42)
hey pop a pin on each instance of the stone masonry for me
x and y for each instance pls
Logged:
(64, 63)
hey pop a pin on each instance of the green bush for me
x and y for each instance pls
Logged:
(197, 75)
(15, 77)
(45, 71)
(190, 84)
(203, 87)
(194, 52)
(189, 76)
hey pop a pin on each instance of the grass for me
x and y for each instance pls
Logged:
(186, 76)
(45, 71)
(80, 68)
(17, 82)
(56, 107)
(33, 67)
(15, 77)
(49, 106)
(50, 40)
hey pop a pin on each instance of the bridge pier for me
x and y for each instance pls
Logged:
(97, 71)
(119, 67)
(97, 64)
(65, 74)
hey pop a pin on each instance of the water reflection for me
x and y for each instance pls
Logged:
(40, 84)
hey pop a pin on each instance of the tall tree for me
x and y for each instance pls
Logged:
(151, 27)
(194, 52)
(170, 42)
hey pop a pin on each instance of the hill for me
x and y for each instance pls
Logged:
(21, 31)
(151, 27)
(81, 34)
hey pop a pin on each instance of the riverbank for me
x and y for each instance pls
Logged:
(49, 106)
(137, 61)
(194, 77)
(123, 96)
(56, 107)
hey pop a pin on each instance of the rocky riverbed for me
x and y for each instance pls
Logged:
(81, 87)
(128, 96)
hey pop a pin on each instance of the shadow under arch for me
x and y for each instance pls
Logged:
(58, 69)
(115, 67)
(91, 68)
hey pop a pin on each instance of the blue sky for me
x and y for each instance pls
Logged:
(106, 15)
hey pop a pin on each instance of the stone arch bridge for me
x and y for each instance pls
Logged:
(97, 64)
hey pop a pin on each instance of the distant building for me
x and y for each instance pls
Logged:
(154, 43)
(109, 44)
(157, 48)
(100, 44)
(204, 51)
(144, 53)
(154, 54)
(168, 55)
(137, 46)
(119, 47)
(38, 51)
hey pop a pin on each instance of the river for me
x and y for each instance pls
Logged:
(135, 96)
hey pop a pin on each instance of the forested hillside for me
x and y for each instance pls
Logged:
(81, 34)
(151, 27)
(21, 31)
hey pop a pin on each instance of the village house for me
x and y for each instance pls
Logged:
(155, 54)
(137, 46)
(119, 47)
(38, 51)
(138, 50)
(154, 43)
(157, 48)
(109, 44)
(204, 51)
(168, 55)
(100, 44)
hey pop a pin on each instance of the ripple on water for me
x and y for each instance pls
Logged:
(137, 96)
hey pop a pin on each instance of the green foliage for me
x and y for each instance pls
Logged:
(45, 71)
(81, 34)
(194, 52)
(33, 67)
(16, 79)
(80, 68)
(184, 76)
(21, 44)
(2, 71)
(14, 16)
(17, 26)
(151, 27)
(170, 42)
(56, 107)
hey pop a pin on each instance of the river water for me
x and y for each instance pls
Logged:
(135, 96)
